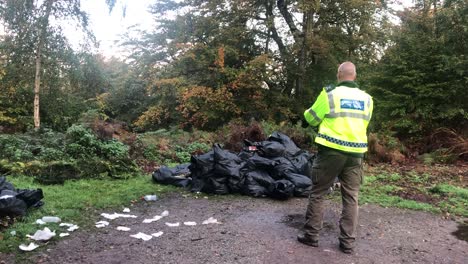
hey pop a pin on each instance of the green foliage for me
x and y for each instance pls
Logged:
(381, 193)
(114, 149)
(66, 77)
(81, 142)
(420, 83)
(450, 190)
(455, 199)
(183, 153)
(14, 149)
(212, 66)
(53, 157)
(419, 179)
(415, 190)
(206, 108)
(154, 117)
(53, 172)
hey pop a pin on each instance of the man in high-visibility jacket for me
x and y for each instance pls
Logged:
(342, 114)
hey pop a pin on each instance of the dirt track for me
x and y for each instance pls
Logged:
(258, 231)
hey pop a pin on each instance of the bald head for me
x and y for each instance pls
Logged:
(346, 72)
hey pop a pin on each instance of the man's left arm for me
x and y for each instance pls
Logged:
(315, 114)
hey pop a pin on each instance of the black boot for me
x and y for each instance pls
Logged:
(304, 239)
(346, 250)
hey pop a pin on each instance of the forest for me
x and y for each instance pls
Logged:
(216, 70)
(215, 66)
(228, 72)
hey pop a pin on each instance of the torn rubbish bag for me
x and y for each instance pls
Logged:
(14, 202)
(178, 176)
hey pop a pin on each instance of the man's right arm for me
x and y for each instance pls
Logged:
(315, 114)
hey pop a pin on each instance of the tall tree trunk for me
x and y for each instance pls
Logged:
(42, 26)
(295, 77)
(303, 53)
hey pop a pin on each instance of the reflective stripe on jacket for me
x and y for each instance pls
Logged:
(343, 114)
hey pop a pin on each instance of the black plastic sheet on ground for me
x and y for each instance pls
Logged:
(14, 202)
(275, 168)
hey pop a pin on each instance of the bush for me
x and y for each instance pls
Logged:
(53, 157)
(81, 142)
(56, 172)
(207, 108)
(14, 148)
(114, 150)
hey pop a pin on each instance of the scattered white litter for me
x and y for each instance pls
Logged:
(123, 228)
(71, 227)
(40, 222)
(150, 197)
(32, 246)
(102, 224)
(51, 219)
(48, 219)
(210, 220)
(63, 234)
(126, 210)
(13, 233)
(143, 236)
(172, 224)
(327, 250)
(6, 197)
(44, 235)
(158, 234)
(190, 223)
(156, 218)
(116, 215)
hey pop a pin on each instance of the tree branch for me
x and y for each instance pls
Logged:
(283, 8)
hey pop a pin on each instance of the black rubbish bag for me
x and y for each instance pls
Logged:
(257, 162)
(271, 149)
(10, 205)
(246, 154)
(303, 162)
(282, 166)
(4, 185)
(225, 162)
(283, 189)
(236, 181)
(302, 184)
(197, 185)
(262, 178)
(252, 188)
(215, 185)
(32, 198)
(178, 176)
(202, 164)
(201, 167)
(290, 147)
(15, 202)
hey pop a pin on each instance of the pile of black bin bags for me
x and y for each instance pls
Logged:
(275, 168)
(14, 202)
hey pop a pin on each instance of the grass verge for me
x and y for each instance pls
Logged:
(77, 202)
(408, 191)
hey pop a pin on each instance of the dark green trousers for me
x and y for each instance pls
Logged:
(328, 165)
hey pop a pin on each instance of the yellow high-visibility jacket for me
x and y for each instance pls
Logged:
(343, 114)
